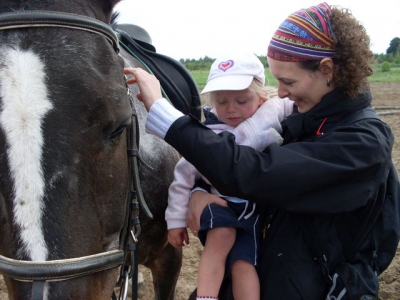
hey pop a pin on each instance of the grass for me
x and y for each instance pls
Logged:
(200, 76)
(392, 76)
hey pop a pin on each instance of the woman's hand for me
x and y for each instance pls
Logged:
(149, 86)
(198, 201)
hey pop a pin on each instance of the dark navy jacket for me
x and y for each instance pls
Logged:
(324, 173)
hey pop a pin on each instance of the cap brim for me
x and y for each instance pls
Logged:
(228, 83)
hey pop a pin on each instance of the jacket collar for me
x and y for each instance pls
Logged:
(210, 116)
(332, 106)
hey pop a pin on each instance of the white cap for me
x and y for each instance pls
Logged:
(234, 73)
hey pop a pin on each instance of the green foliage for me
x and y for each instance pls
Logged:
(197, 64)
(385, 66)
(394, 47)
(390, 57)
(384, 71)
(381, 76)
(200, 76)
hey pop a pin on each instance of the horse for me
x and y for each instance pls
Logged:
(68, 150)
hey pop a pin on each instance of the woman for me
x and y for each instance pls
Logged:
(321, 191)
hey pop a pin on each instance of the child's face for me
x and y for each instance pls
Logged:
(233, 107)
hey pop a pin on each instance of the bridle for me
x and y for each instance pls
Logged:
(39, 18)
(126, 257)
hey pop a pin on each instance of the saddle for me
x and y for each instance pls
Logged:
(177, 84)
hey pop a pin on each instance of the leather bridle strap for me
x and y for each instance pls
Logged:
(57, 270)
(39, 18)
(37, 289)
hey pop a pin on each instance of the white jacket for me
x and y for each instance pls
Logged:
(259, 131)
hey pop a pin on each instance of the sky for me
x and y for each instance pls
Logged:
(195, 29)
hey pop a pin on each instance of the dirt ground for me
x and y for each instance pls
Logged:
(386, 96)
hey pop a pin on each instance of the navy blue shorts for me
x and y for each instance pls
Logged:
(240, 216)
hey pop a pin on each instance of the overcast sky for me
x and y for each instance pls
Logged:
(194, 29)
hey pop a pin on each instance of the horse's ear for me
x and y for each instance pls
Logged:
(114, 2)
(108, 8)
(114, 19)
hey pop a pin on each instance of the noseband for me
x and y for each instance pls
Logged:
(56, 270)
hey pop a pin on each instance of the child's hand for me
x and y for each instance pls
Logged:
(149, 86)
(178, 237)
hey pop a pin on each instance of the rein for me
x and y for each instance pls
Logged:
(57, 270)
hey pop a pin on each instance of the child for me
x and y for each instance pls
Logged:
(236, 90)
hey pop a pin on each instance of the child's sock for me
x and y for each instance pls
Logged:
(206, 298)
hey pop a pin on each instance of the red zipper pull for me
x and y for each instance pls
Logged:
(319, 133)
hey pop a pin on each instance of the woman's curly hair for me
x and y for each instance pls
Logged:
(353, 55)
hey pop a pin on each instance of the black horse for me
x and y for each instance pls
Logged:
(65, 177)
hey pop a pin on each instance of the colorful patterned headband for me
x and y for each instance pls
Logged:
(305, 35)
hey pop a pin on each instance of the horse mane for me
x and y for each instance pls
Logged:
(114, 20)
(22, 5)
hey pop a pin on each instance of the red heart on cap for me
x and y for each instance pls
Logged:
(225, 65)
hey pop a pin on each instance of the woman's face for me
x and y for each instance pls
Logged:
(304, 87)
(233, 107)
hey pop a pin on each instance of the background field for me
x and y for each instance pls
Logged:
(200, 76)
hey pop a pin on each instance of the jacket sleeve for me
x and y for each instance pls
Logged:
(185, 176)
(263, 128)
(258, 140)
(337, 173)
(269, 114)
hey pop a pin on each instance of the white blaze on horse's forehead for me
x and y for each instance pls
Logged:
(24, 105)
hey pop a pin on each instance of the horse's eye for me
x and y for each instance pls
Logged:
(116, 133)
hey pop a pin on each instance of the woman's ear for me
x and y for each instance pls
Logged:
(326, 66)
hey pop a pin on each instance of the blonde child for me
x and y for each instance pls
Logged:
(236, 90)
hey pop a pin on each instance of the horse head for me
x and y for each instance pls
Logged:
(64, 110)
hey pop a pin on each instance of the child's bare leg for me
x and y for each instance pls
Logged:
(245, 282)
(212, 261)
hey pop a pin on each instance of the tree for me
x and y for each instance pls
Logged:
(394, 47)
